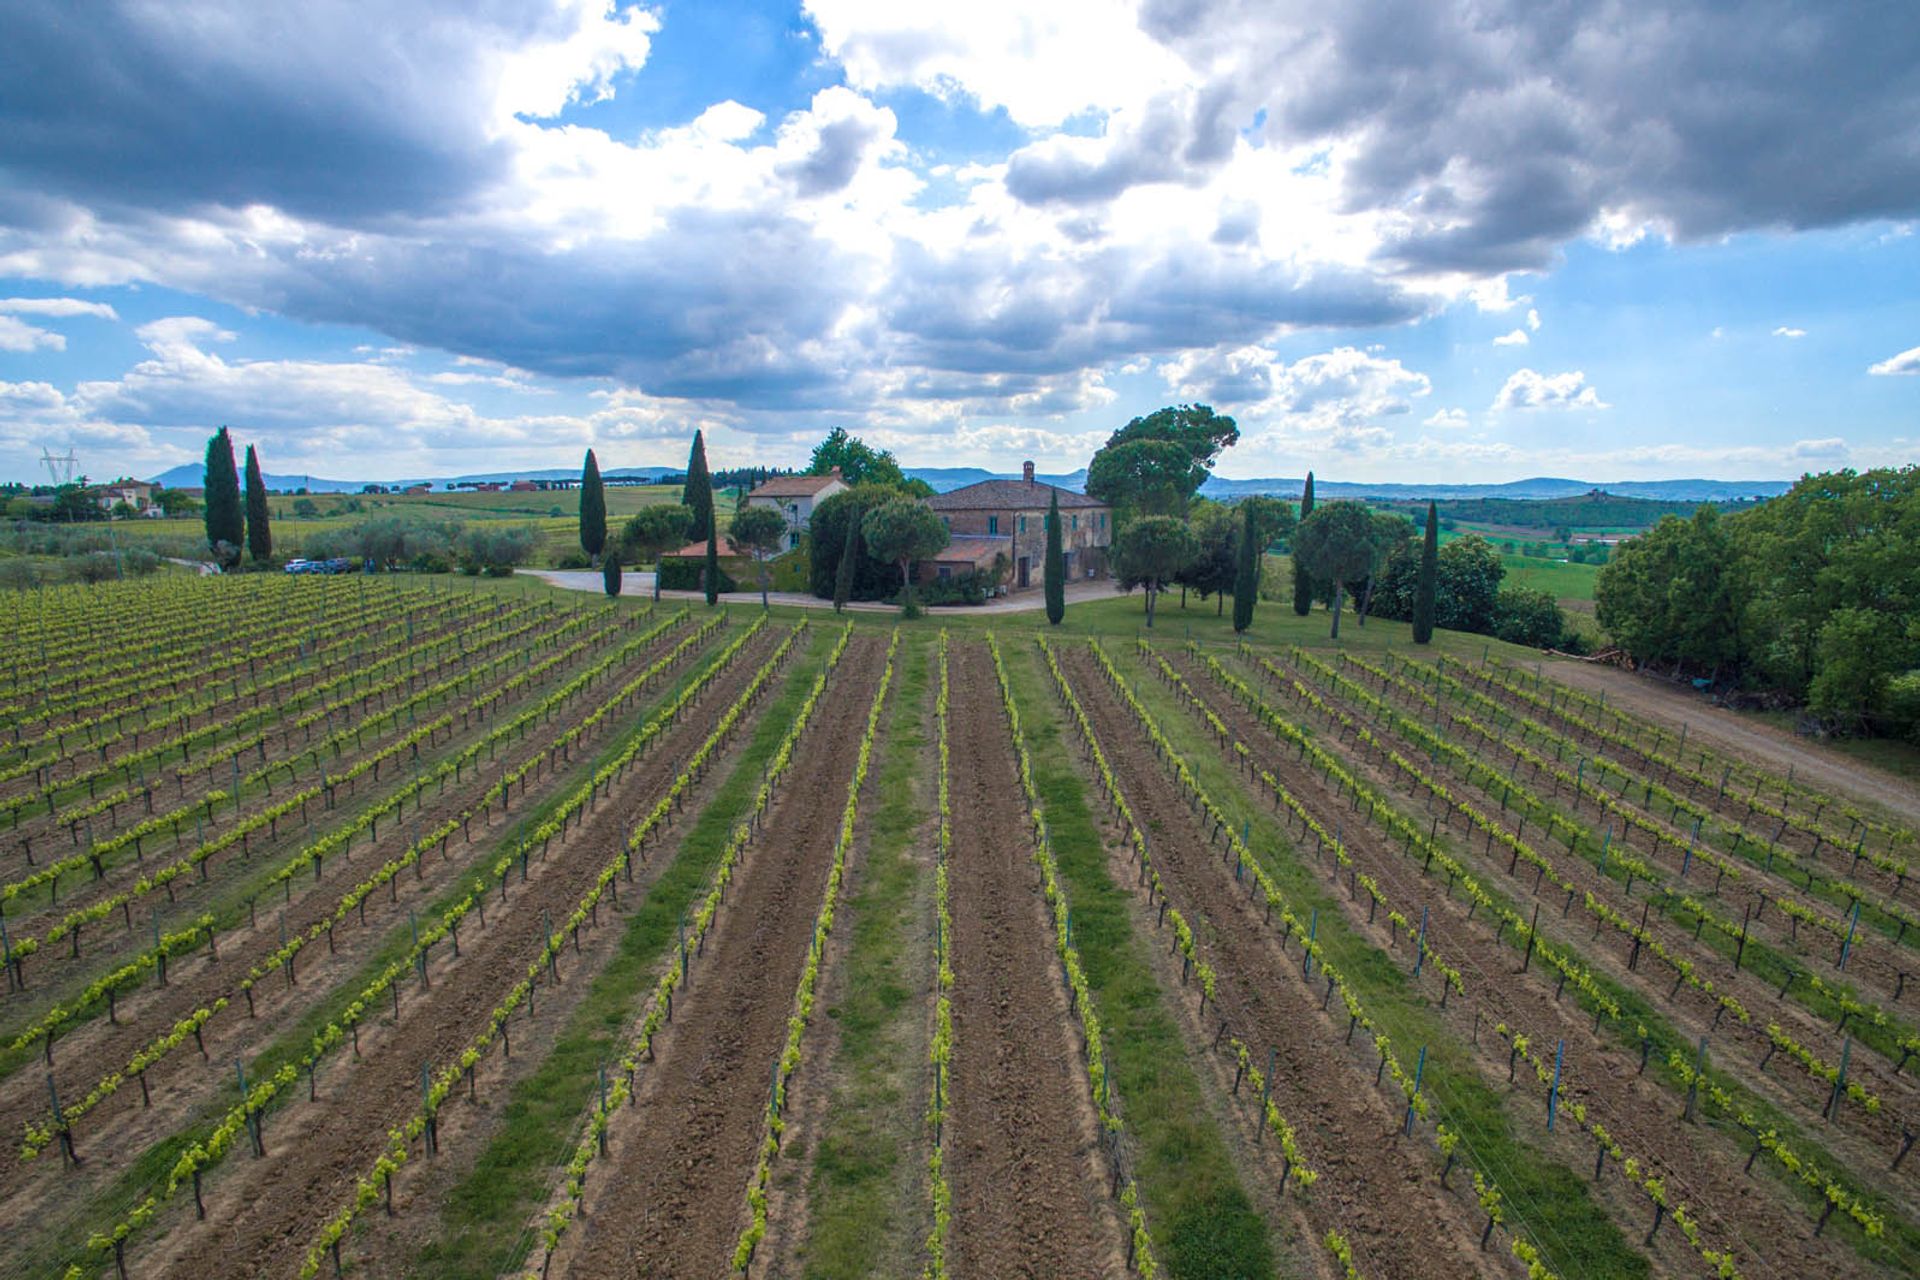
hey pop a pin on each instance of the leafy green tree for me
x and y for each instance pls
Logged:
(1194, 427)
(1302, 579)
(1466, 585)
(226, 525)
(1423, 598)
(1246, 585)
(495, 551)
(851, 553)
(1145, 478)
(1528, 616)
(1339, 543)
(593, 508)
(697, 494)
(1210, 573)
(903, 530)
(174, 502)
(859, 462)
(610, 573)
(1056, 565)
(259, 534)
(306, 509)
(827, 537)
(1149, 552)
(759, 531)
(655, 529)
(1389, 532)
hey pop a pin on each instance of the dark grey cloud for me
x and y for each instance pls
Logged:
(1503, 128)
(326, 108)
(834, 161)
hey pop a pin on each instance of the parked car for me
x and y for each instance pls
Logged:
(299, 566)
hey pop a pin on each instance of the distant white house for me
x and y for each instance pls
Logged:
(795, 498)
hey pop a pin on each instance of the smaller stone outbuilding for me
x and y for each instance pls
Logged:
(795, 497)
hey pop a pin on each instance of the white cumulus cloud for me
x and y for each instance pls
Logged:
(1518, 338)
(1527, 389)
(1788, 331)
(1907, 362)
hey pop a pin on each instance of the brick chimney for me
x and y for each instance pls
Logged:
(1026, 470)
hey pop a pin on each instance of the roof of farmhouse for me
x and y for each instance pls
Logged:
(1005, 495)
(796, 486)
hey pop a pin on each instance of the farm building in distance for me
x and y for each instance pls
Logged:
(795, 497)
(1012, 515)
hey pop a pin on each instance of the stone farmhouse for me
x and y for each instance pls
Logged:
(1009, 517)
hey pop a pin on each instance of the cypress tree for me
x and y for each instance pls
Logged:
(697, 495)
(224, 520)
(1302, 580)
(610, 575)
(843, 572)
(259, 535)
(1246, 580)
(710, 572)
(1056, 565)
(593, 509)
(1423, 593)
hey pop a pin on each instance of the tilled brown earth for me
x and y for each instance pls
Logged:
(1376, 1186)
(671, 1197)
(1745, 1214)
(182, 1077)
(314, 1152)
(1028, 1199)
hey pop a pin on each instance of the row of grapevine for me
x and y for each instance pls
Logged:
(423, 1123)
(1449, 1137)
(283, 959)
(940, 1049)
(659, 1007)
(197, 1159)
(1295, 1167)
(1595, 997)
(789, 1060)
(1140, 1253)
(1881, 1032)
(1402, 925)
(1645, 739)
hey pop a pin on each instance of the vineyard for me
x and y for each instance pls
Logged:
(358, 926)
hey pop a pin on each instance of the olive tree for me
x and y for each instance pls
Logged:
(1150, 551)
(759, 531)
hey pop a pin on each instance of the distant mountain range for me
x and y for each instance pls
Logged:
(945, 478)
(193, 475)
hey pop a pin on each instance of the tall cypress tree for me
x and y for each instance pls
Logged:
(697, 495)
(225, 523)
(1246, 579)
(593, 508)
(259, 535)
(710, 572)
(1423, 592)
(1056, 565)
(610, 575)
(843, 572)
(1302, 580)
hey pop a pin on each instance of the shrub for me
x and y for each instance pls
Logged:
(684, 575)
(1528, 616)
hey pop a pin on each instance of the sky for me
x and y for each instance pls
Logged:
(1398, 240)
